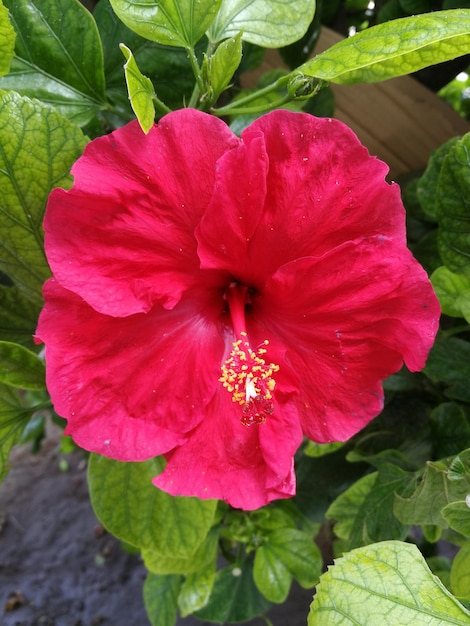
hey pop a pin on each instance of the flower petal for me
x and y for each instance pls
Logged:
(247, 467)
(304, 185)
(131, 388)
(123, 236)
(347, 321)
(239, 195)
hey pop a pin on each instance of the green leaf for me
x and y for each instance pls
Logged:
(168, 68)
(403, 380)
(140, 90)
(449, 360)
(453, 205)
(395, 438)
(460, 572)
(453, 291)
(451, 429)
(435, 491)
(459, 467)
(195, 591)
(426, 251)
(297, 551)
(267, 23)
(383, 457)
(37, 148)
(380, 522)
(7, 41)
(19, 367)
(300, 50)
(327, 477)
(35, 432)
(286, 553)
(394, 48)
(58, 59)
(18, 316)
(455, 93)
(385, 581)
(130, 507)
(281, 514)
(222, 65)
(429, 181)
(162, 563)
(161, 597)
(271, 576)
(364, 512)
(14, 417)
(234, 597)
(457, 515)
(171, 22)
(315, 450)
(440, 566)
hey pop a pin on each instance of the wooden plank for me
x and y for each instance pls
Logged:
(399, 120)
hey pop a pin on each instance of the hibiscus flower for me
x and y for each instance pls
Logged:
(214, 299)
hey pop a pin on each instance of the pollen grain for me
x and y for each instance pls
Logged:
(247, 376)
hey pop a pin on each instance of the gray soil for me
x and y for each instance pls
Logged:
(59, 567)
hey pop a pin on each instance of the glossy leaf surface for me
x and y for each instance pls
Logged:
(234, 597)
(140, 90)
(268, 23)
(460, 572)
(7, 40)
(130, 507)
(19, 367)
(394, 48)
(13, 420)
(37, 149)
(170, 22)
(160, 598)
(435, 490)
(453, 206)
(18, 316)
(384, 579)
(57, 60)
(167, 67)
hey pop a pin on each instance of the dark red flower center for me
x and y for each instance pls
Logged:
(246, 374)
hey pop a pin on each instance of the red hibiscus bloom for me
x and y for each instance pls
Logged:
(214, 299)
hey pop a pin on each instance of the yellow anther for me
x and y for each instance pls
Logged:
(249, 379)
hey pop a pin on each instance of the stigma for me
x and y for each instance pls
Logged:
(249, 378)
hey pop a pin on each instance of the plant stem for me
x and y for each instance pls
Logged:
(160, 106)
(199, 86)
(223, 111)
(239, 106)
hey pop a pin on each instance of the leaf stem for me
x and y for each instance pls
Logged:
(264, 108)
(160, 106)
(240, 106)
